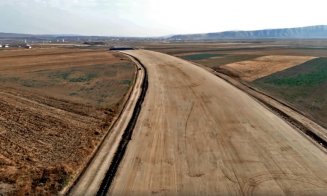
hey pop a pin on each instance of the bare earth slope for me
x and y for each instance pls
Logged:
(197, 135)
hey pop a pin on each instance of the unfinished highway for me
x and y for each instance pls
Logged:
(198, 135)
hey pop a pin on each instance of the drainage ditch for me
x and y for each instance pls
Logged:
(126, 137)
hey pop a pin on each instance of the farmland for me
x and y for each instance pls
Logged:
(56, 106)
(263, 66)
(201, 56)
(218, 59)
(303, 86)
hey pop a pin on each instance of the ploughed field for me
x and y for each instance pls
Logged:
(56, 104)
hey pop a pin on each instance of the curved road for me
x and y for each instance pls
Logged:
(197, 135)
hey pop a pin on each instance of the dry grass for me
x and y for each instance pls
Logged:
(55, 107)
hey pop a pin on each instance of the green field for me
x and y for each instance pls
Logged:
(303, 86)
(309, 74)
(207, 60)
(200, 56)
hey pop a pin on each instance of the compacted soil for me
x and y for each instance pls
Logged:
(199, 135)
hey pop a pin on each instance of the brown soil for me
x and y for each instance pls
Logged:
(52, 114)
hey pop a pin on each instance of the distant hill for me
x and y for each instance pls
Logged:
(13, 35)
(21, 35)
(309, 32)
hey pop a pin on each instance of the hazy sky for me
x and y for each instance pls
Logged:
(155, 17)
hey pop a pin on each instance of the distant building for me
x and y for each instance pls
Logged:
(0, 45)
(27, 46)
(6, 46)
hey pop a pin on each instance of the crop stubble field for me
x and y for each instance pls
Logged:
(56, 104)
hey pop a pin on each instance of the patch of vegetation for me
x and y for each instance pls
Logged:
(74, 75)
(4, 79)
(226, 59)
(311, 73)
(33, 83)
(24, 82)
(84, 78)
(200, 56)
(97, 84)
(60, 74)
(303, 86)
(310, 79)
(128, 82)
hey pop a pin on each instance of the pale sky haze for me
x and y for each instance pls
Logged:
(155, 17)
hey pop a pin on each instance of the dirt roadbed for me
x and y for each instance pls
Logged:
(198, 134)
(305, 125)
(309, 128)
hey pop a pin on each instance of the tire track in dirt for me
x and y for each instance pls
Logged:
(231, 138)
